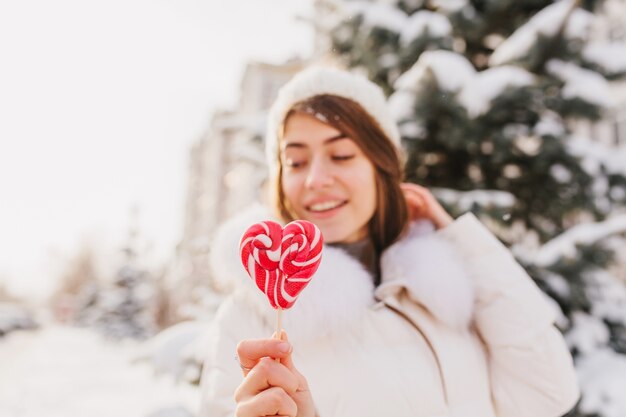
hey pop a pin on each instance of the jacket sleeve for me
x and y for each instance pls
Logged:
(531, 369)
(221, 373)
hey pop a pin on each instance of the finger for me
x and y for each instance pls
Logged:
(410, 192)
(415, 201)
(272, 401)
(287, 361)
(250, 351)
(416, 190)
(409, 186)
(415, 204)
(266, 374)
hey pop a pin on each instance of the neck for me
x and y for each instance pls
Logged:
(362, 250)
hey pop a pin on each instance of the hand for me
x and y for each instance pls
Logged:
(270, 387)
(423, 205)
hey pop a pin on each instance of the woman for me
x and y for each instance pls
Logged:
(410, 313)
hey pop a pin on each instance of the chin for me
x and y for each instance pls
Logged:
(333, 231)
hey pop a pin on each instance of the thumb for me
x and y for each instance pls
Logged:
(287, 360)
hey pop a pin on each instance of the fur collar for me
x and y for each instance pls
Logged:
(342, 291)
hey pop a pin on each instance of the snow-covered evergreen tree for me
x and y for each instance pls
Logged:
(488, 95)
(120, 309)
(126, 306)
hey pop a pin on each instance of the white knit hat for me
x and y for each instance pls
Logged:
(323, 80)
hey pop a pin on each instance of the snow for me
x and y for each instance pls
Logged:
(171, 412)
(63, 371)
(558, 284)
(487, 85)
(546, 22)
(172, 351)
(618, 193)
(379, 15)
(343, 33)
(588, 233)
(579, 24)
(422, 23)
(608, 296)
(595, 153)
(454, 73)
(600, 186)
(587, 334)
(581, 83)
(401, 105)
(550, 124)
(610, 57)
(388, 60)
(412, 130)
(560, 173)
(449, 6)
(602, 377)
(14, 317)
(466, 199)
(451, 70)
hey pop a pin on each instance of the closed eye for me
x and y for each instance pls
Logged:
(294, 164)
(342, 157)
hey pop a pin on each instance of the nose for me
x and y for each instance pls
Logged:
(319, 174)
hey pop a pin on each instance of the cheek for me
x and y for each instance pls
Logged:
(371, 195)
(364, 184)
(291, 189)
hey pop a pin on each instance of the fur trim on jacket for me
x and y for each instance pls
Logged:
(422, 262)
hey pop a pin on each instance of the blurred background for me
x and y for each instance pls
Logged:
(130, 130)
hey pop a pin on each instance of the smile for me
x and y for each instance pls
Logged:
(326, 206)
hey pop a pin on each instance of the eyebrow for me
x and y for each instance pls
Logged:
(326, 141)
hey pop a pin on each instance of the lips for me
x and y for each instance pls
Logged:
(326, 205)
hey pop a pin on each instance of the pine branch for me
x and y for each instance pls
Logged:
(551, 45)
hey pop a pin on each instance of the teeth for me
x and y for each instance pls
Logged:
(325, 206)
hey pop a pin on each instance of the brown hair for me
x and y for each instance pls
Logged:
(347, 116)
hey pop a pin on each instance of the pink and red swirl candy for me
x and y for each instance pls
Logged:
(281, 261)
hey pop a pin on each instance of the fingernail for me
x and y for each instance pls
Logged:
(284, 347)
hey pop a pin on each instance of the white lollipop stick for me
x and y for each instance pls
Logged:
(278, 333)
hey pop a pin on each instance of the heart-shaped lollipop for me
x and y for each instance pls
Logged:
(281, 261)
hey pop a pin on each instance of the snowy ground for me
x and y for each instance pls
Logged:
(64, 372)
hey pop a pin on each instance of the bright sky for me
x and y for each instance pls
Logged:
(99, 104)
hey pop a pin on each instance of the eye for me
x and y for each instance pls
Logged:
(290, 163)
(342, 157)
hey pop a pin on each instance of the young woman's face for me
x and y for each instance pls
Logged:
(327, 179)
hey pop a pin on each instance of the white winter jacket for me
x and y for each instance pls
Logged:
(455, 329)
